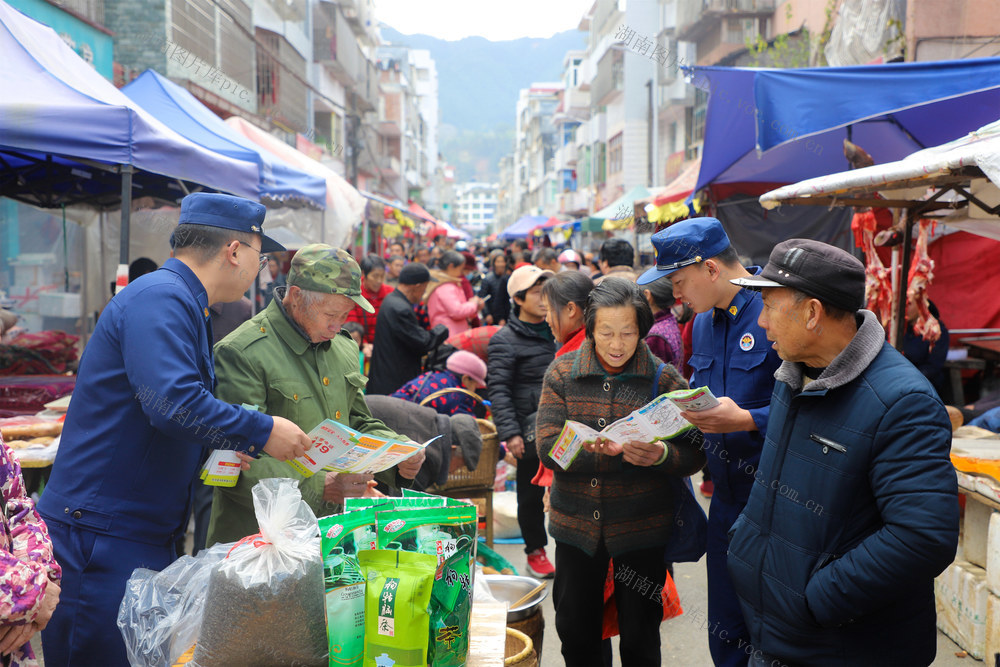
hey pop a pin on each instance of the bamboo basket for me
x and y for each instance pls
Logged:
(518, 651)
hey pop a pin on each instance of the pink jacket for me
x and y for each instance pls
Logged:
(26, 561)
(447, 305)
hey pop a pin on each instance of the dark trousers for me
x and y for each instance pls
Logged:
(84, 630)
(202, 504)
(530, 505)
(579, 601)
(727, 632)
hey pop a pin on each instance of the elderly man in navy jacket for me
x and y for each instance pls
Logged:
(143, 420)
(854, 509)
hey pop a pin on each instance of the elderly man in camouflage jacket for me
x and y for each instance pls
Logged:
(293, 360)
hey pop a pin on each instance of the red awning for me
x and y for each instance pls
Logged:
(681, 187)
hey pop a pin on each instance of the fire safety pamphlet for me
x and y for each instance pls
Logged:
(340, 448)
(693, 400)
(657, 420)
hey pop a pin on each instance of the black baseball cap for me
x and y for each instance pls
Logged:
(415, 273)
(834, 276)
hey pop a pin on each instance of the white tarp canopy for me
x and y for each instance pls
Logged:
(906, 182)
(345, 207)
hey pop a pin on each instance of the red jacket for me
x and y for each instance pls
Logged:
(365, 319)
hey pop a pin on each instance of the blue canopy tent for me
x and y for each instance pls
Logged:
(180, 110)
(521, 228)
(68, 136)
(773, 127)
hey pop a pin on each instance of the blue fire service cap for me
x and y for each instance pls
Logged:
(687, 242)
(227, 212)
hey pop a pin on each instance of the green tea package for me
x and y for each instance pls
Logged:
(444, 500)
(342, 536)
(393, 502)
(449, 534)
(397, 595)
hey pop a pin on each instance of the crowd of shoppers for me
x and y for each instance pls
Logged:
(811, 400)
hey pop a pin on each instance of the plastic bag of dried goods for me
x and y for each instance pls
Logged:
(264, 604)
(161, 611)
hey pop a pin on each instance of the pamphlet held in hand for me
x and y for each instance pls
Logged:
(223, 465)
(657, 420)
(693, 400)
(340, 448)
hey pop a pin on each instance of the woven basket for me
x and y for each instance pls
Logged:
(485, 473)
(518, 650)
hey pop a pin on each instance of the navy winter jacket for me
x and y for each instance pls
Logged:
(853, 513)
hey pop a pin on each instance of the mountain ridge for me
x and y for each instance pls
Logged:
(478, 85)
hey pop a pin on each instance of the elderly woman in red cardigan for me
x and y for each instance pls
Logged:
(611, 506)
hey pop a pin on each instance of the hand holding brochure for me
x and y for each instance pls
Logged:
(340, 448)
(693, 400)
(657, 420)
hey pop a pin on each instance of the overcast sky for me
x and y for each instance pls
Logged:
(496, 21)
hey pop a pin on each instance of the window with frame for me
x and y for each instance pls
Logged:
(601, 162)
(267, 70)
(615, 154)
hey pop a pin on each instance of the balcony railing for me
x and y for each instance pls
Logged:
(694, 16)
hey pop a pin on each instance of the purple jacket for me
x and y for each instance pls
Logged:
(664, 339)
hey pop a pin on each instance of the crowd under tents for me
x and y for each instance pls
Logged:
(521, 228)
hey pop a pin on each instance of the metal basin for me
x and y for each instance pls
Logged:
(509, 588)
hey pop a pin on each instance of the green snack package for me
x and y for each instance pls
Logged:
(448, 533)
(342, 536)
(397, 594)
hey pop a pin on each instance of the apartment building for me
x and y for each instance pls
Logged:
(476, 207)
(407, 123)
(534, 148)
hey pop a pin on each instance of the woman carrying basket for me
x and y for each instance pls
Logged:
(464, 373)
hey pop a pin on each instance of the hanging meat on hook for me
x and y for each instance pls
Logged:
(878, 278)
(921, 274)
(872, 228)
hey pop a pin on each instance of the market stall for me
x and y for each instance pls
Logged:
(765, 128)
(959, 177)
(68, 136)
(521, 228)
(295, 198)
(390, 581)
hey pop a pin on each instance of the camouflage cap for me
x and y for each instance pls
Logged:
(318, 267)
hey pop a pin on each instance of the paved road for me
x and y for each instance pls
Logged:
(683, 642)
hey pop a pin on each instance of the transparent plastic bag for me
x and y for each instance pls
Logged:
(265, 601)
(161, 611)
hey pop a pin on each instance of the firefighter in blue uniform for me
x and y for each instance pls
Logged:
(732, 356)
(143, 420)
